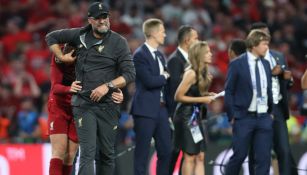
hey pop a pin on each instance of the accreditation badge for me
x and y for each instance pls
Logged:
(262, 105)
(195, 131)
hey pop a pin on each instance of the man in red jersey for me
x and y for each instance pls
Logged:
(62, 131)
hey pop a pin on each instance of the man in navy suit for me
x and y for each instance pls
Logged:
(281, 81)
(178, 62)
(248, 101)
(149, 107)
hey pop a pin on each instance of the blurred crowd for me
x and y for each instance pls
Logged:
(25, 59)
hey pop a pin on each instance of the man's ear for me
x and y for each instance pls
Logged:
(89, 20)
(231, 55)
(187, 40)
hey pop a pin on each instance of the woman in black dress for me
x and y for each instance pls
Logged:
(191, 94)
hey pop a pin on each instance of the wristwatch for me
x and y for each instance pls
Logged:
(111, 86)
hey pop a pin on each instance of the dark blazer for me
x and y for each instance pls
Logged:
(149, 83)
(239, 89)
(284, 84)
(176, 66)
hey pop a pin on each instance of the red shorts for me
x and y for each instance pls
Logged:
(60, 121)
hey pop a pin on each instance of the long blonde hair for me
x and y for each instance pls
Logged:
(196, 53)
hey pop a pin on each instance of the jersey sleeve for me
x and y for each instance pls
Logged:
(56, 79)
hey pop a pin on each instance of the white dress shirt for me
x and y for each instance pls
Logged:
(275, 83)
(263, 81)
(152, 51)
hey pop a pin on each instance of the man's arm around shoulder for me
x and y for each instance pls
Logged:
(56, 38)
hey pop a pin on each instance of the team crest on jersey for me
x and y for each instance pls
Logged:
(57, 60)
(80, 122)
(115, 127)
(100, 48)
(51, 126)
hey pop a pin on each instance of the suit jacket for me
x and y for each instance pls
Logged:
(284, 84)
(239, 89)
(176, 66)
(148, 82)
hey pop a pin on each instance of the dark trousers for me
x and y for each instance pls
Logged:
(253, 129)
(145, 130)
(97, 128)
(281, 146)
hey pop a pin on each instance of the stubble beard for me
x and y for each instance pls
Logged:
(102, 32)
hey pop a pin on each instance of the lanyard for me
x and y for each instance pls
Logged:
(263, 78)
(194, 114)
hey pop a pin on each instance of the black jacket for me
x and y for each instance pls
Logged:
(176, 66)
(284, 84)
(98, 61)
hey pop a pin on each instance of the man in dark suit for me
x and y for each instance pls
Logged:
(236, 48)
(178, 62)
(149, 107)
(281, 81)
(248, 101)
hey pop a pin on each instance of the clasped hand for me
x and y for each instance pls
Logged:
(99, 92)
(68, 58)
(75, 87)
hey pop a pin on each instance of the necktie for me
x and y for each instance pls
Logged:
(258, 83)
(162, 97)
(156, 55)
(157, 59)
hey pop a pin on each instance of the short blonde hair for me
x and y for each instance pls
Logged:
(150, 25)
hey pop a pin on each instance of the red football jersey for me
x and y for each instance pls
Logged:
(62, 76)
